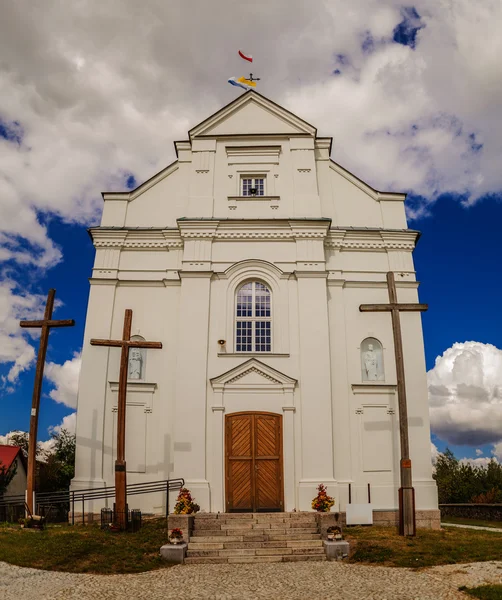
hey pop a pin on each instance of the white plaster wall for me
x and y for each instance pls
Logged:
(180, 276)
(18, 484)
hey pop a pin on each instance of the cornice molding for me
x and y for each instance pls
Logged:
(371, 240)
(280, 230)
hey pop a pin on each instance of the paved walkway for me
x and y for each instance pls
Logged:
(496, 529)
(295, 581)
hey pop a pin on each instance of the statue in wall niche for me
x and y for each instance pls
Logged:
(371, 360)
(136, 362)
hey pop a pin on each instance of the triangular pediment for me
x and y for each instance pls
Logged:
(250, 114)
(253, 373)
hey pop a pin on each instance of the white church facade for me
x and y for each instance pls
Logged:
(248, 258)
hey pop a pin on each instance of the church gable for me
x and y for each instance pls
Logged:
(252, 114)
(253, 374)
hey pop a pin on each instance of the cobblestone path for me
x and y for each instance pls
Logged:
(225, 582)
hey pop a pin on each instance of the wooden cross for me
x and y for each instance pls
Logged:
(407, 523)
(120, 464)
(45, 325)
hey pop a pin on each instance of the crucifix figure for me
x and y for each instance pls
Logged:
(120, 464)
(407, 523)
(45, 325)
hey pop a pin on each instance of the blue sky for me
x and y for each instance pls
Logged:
(413, 103)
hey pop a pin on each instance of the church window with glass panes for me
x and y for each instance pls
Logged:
(253, 186)
(253, 331)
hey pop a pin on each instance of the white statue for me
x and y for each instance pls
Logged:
(135, 369)
(372, 368)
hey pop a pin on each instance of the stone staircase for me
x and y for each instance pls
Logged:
(254, 537)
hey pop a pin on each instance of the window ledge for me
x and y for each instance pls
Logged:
(263, 198)
(257, 354)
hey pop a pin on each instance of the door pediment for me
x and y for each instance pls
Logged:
(253, 374)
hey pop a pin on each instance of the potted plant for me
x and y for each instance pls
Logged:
(176, 536)
(334, 533)
(322, 502)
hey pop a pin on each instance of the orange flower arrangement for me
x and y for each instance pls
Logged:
(322, 502)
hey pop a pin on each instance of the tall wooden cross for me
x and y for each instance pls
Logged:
(45, 325)
(120, 464)
(407, 523)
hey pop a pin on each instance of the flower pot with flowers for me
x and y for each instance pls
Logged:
(185, 504)
(322, 502)
(335, 533)
(176, 536)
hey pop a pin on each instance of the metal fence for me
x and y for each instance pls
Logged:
(49, 504)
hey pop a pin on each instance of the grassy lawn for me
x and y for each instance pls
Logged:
(87, 549)
(84, 549)
(478, 523)
(485, 592)
(383, 545)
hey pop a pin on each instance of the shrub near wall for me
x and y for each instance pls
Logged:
(482, 512)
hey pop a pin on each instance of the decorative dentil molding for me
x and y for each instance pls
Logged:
(334, 239)
(254, 370)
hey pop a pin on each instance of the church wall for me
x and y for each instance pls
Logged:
(160, 205)
(393, 214)
(180, 280)
(114, 213)
(353, 206)
(371, 446)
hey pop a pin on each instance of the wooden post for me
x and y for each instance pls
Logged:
(407, 523)
(120, 463)
(45, 325)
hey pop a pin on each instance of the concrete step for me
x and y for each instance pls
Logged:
(233, 552)
(237, 545)
(254, 537)
(202, 560)
(254, 532)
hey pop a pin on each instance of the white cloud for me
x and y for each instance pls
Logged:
(476, 462)
(65, 379)
(86, 107)
(69, 423)
(47, 446)
(465, 394)
(14, 346)
(479, 452)
(497, 451)
(434, 453)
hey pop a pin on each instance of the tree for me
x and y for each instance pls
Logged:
(460, 482)
(22, 439)
(58, 469)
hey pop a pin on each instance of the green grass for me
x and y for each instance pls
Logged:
(384, 546)
(84, 549)
(476, 522)
(485, 592)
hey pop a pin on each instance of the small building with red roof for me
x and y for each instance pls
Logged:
(12, 457)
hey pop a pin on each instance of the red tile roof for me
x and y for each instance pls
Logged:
(8, 455)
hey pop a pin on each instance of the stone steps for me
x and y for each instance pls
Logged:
(255, 532)
(254, 537)
(270, 536)
(204, 560)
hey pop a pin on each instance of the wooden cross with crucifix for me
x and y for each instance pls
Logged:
(407, 523)
(120, 464)
(46, 324)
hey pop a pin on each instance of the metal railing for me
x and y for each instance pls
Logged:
(45, 501)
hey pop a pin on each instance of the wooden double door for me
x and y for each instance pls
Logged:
(254, 462)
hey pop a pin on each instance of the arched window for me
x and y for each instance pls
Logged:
(253, 331)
